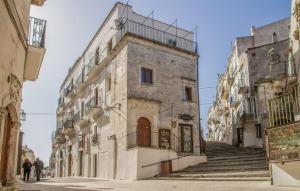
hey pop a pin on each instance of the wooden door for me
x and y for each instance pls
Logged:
(70, 165)
(186, 138)
(240, 136)
(80, 163)
(143, 132)
(96, 96)
(5, 149)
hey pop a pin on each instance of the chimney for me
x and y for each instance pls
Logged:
(252, 30)
(274, 38)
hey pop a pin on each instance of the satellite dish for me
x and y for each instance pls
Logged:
(119, 23)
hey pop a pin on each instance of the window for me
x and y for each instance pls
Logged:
(146, 76)
(258, 131)
(108, 84)
(82, 108)
(109, 46)
(96, 96)
(187, 94)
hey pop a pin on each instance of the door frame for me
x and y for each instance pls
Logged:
(181, 137)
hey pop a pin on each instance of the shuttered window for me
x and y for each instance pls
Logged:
(146, 76)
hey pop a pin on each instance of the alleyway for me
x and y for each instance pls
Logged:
(82, 184)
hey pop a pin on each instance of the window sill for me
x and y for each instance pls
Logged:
(146, 84)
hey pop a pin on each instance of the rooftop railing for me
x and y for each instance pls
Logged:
(156, 35)
(37, 30)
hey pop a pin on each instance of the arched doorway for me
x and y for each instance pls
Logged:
(5, 149)
(143, 132)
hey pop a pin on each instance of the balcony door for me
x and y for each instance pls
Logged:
(96, 96)
(143, 132)
(186, 138)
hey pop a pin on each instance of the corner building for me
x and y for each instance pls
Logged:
(129, 103)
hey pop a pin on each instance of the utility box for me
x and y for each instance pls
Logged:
(166, 167)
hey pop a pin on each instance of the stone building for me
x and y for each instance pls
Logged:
(129, 102)
(27, 153)
(21, 52)
(283, 135)
(257, 70)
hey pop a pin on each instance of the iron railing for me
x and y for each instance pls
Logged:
(156, 35)
(284, 142)
(153, 140)
(282, 109)
(37, 30)
(77, 116)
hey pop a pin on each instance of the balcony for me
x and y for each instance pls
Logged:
(284, 108)
(36, 50)
(68, 125)
(94, 107)
(38, 2)
(234, 103)
(80, 120)
(150, 33)
(241, 87)
(59, 136)
(80, 83)
(69, 92)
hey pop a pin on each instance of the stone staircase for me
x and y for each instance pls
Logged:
(226, 162)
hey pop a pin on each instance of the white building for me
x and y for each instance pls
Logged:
(129, 102)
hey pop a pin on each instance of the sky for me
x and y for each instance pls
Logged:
(72, 24)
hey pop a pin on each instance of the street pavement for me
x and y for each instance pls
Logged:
(87, 184)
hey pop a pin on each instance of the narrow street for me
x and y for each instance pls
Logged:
(82, 184)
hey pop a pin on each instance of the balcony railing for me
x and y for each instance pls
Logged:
(77, 117)
(156, 35)
(36, 35)
(92, 103)
(282, 109)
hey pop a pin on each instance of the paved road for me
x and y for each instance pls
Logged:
(85, 184)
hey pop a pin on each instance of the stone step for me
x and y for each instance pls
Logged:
(262, 173)
(227, 168)
(232, 163)
(226, 158)
(213, 178)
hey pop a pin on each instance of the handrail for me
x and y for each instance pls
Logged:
(169, 160)
(37, 30)
(156, 35)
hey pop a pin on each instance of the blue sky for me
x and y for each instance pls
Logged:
(71, 25)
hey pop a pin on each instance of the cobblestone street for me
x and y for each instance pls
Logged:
(84, 184)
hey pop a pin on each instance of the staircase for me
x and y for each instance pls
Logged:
(226, 162)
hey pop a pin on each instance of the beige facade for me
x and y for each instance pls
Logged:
(21, 53)
(129, 102)
(258, 69)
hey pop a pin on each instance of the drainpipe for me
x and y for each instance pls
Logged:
(198, 96)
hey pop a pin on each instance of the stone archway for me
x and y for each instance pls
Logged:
(9, 141)
(143, 132)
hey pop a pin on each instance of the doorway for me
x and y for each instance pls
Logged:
(186, 138)
(80, 163)
(143, 132)
(5, 149)
(240, 136)
(69, 164)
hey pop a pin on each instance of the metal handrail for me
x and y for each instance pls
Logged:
(37, 30)
(156, 35)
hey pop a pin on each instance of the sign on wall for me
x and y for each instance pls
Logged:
(164, 138)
